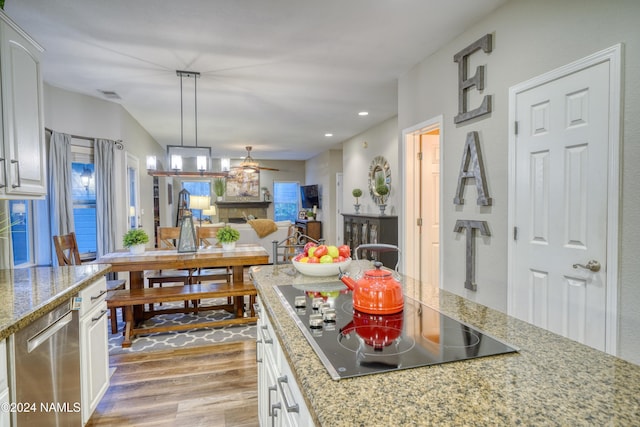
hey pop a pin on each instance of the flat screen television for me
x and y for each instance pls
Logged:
(310, 196)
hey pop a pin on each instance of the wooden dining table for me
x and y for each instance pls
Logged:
(166, 259)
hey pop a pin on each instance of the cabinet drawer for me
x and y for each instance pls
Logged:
(92, 295)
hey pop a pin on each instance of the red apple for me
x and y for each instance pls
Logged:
(321, 251)
(307, 246)
(344, 250)
(313, 260)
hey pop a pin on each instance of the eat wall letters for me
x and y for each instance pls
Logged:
(469, 226)
(472, 167)
(465, 83)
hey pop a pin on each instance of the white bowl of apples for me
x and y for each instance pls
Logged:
(322, 260)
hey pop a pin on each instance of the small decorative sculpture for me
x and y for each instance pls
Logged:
(187, 239)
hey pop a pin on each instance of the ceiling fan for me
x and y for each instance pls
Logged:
(249, 164)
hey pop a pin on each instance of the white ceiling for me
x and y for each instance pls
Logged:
(275, 74)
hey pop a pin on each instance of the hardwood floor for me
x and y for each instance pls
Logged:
(216, 385)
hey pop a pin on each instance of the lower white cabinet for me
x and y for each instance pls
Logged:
(280, 402)
(5, 415)
(94, 351)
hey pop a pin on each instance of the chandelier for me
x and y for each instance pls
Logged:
(177, 153)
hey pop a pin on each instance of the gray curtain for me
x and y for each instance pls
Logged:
(104, 160)
(60, 199)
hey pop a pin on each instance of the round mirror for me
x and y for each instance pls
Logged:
(379, 177)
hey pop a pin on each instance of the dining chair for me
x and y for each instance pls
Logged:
(68, 254)
(167, 239)
(206, 236)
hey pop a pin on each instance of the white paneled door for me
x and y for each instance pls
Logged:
(560, 205)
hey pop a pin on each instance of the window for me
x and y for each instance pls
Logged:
(132, 175)
(83, 193)
(285, 200)
(21, 219)
(198, 188)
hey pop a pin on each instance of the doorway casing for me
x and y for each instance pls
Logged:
(420, 203)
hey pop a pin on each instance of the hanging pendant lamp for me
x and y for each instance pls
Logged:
(177, 153)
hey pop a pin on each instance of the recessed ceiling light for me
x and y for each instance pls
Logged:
(328, 135)
(363, 113)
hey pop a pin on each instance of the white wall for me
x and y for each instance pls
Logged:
(322, 170)
(83, 115)
(530, 38)
(358, 153)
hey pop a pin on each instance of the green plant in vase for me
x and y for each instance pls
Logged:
(135, 239)
(356, 192)
(219, 187)
(383, 190)
(228, 236)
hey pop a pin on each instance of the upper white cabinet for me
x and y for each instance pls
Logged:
(22, 149)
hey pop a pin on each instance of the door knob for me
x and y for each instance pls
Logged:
(592, 265)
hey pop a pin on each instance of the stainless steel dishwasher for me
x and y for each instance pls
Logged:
(45, 357)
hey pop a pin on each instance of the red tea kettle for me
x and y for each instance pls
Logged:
(376, 292)
(377, 331)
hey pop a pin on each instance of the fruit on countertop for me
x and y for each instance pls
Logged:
(324, 254)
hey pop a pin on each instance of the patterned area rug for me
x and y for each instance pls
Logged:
(181, 339)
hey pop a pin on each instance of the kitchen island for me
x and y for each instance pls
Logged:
(550, 381)
(28, 293)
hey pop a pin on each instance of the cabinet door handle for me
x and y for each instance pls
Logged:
(270, 389)
(275, 407)
(267, 337)
(98, 296)
(258, 358)
(102, 313)
(289, 407)
(17, 163)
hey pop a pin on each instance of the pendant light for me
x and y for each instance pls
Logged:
(177, 153)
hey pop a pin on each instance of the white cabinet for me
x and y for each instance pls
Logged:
(94, 351)
(280, 402)
(294, 411)
(22, 149)
(5, 415)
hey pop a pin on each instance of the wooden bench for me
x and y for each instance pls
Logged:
(127, 299)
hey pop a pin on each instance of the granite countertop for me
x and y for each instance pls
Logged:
(550, 381)
(28, 293)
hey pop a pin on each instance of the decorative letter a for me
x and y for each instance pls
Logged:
(472, 167)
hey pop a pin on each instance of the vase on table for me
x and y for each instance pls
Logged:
(228, 246)
(382, 207)
(137, 249)
(357, 208)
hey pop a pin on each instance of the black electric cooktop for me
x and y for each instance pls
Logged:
(350, 343)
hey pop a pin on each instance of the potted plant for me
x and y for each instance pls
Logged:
(382, 190)
(219, 187)
(356, 193)
(135, 239)
(228, 236)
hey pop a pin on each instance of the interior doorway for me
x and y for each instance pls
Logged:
(422, 234)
